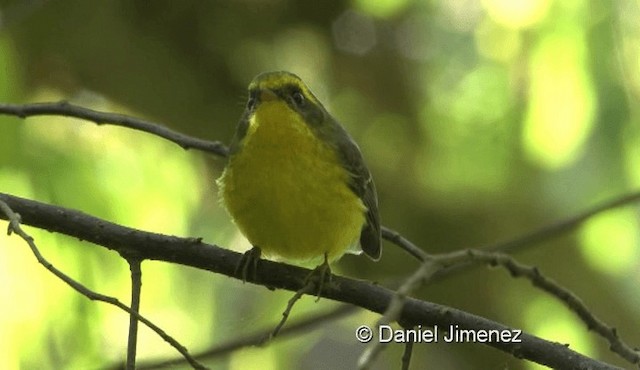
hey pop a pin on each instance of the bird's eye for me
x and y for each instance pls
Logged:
(297, 98)
(251, 103)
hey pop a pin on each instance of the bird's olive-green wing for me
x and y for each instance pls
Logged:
(363, 186)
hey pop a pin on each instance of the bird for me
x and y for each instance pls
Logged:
(295, 183)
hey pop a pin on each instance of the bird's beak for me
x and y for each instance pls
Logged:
(267, 95)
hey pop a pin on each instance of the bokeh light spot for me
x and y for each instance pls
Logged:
(354, 32)
(549, 319)
(517, 13)
(562, 102)
(381, 8)
(610, 243)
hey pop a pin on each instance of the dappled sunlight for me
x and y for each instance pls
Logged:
(381, 8)
(550, 319)
(469, 142)
(517, 14)
(610, 242)
(562, 102)
(33, 300)
(498, 43)
(632, 151)
(249, 358)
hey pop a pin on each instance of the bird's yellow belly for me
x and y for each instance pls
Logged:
(288, 194)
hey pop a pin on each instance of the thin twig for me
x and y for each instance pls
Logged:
(303, 326)
(393, 311)
(570, 299)
(136, 286)
(562, 226)
(404, 243)
(430, 269)
(66, 109)
(14, 226)
(406, 356)
(285, 315)
(547, 232)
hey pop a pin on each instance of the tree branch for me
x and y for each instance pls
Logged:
(544, 233)
(570, 299)
(66, 109)
(192, 252)
(136, 287)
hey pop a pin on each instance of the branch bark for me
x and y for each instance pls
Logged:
(193, 252)
(67, 109)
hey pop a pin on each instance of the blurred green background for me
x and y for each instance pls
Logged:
(480, 121)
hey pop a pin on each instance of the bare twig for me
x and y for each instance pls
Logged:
(69, 110)
(547, 232)
(393, 311)
(136, 285)
(562, 226)
(285, 315)
(430, 268)
(404, 243)
(570, 299)
(300, 327)
(14, 226)
(406, 356)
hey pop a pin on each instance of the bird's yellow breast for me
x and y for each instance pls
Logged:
(287, 190)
